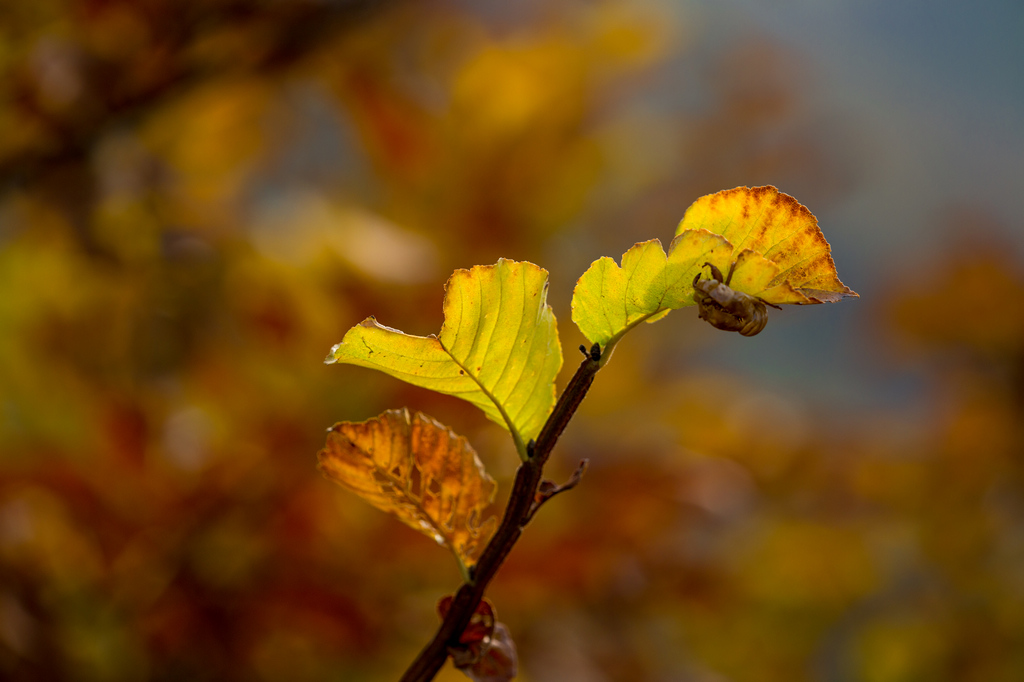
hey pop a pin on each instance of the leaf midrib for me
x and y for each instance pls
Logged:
(516, 436)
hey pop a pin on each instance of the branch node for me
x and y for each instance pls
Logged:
(583, 349)
(595, 352)
(548, 489)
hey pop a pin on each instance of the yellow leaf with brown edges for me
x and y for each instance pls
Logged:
(781, 230)
(419, 470)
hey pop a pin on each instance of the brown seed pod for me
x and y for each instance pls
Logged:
(723, 308)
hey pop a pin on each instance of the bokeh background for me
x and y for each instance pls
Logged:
(199, 197)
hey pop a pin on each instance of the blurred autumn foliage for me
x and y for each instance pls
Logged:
(197, 198)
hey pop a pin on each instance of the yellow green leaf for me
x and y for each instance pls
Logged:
(770, 246)
(498, 347)
(777, 227)
(419, 470)
(609, 299)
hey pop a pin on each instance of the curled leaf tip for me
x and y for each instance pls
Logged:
(330, 359)
(819, 296)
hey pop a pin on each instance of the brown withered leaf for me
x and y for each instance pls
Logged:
(416, 468)
(486, 652)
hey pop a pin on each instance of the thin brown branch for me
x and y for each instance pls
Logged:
(521, 505)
